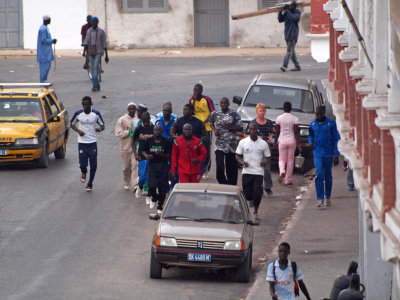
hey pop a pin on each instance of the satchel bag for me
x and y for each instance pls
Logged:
(299, 161)
(92, 50)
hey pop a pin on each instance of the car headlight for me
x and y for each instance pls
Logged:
(234, 245)
(303, 131)
(31, 141)
(168, 242)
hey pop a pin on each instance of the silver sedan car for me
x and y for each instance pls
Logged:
(204, 226)
(275, 89)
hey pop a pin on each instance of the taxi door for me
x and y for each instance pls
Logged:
(61, 126)
(52, 126)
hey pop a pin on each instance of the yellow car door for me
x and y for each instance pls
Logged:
(51, 125)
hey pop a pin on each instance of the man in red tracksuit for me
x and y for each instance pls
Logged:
(188, 153)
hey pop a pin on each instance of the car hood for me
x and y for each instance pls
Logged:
(249, 113)
(9, 132)
(210, 231)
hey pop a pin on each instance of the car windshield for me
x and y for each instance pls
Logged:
(21, 110)
(275, 96)
(204, 207)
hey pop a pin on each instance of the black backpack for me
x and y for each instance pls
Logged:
(296, 284)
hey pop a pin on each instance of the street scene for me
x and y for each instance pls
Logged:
(233, 150)
(60, 240)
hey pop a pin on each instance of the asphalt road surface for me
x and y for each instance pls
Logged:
(59, 242)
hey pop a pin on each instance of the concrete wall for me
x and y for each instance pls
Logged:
(262, 31)
(176, 28)
(67, 18)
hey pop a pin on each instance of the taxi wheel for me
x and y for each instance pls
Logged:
(155, 267)
(60, 152)
(43, 161)
(243, 272)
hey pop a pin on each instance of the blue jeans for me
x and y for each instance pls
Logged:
(94, 61)
(323, 178)
(44, 70)
(350, 179)
(290, 53)
(88, 152)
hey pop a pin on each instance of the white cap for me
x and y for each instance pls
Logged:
(46, 17)
(132, 103)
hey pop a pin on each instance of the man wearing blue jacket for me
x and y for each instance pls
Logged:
(291, 17)
(323, 136)
(44, 51)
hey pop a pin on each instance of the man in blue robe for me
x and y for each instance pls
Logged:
(44, 50)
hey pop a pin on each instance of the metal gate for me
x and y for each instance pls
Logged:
(211, 23)
(10, 23)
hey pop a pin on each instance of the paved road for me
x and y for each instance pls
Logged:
(59, 242)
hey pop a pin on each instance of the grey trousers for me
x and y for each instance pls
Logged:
(267, 176)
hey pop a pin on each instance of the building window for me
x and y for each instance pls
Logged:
(263, 4)
(145, 6)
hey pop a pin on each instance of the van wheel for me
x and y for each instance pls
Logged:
(60, 152)
(43, 161)
(155, 267)
(243, 272)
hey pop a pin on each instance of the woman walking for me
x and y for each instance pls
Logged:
(287, 136)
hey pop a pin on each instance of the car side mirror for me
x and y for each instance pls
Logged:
(237, 100)
(154, 217)
(253, 222)
(54, 119)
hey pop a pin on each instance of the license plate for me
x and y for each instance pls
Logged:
(199, 257)
(3, 152)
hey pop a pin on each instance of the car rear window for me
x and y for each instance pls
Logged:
(21, 110)
(205, 206)
(275, 96)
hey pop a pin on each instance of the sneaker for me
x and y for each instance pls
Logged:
(152, 204)
(351, 188)
(327, 202)
(95, 89)
(88, 188)
(320, 203)
(138, 192)
(283, 69)
(126, 186)
(296, 68)
(256, 216)
(281, 177)
(159, 211)
(269, 192)
(135, 187)
(205, 176)
(83, 177)
(148, 200)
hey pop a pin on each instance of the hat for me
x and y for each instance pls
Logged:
(131, 103)
(95, 19)
(46, 17)
(143, 107)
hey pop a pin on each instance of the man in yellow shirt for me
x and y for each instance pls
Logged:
(203, 107)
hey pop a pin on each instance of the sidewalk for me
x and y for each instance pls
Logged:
(323, 242)
(167, 52)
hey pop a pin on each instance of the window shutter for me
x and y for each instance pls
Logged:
(156, 3)
(268, 3)
(135, 3)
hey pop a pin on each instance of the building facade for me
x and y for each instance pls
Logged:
(364, 89)
(148, 23)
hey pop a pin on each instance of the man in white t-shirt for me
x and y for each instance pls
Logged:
(285, 277)
(84, 123)
(253, 155)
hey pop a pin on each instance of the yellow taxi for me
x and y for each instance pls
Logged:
(33, 123)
